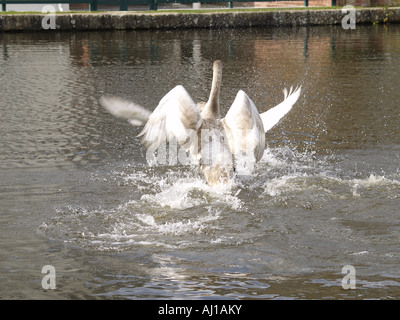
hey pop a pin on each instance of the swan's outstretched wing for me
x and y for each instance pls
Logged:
(273, 115)
(175, 116)
(244, 128)
(125, 109)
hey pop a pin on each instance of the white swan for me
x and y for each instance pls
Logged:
(199, 129)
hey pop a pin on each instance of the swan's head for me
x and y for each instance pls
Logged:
(217, 66)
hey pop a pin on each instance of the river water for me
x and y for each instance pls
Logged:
(77, 193)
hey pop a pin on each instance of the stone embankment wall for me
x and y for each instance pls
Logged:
(184, 20)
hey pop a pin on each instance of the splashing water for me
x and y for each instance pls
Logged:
(172, 208)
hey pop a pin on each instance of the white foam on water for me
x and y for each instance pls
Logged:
(150, 220)
(194, 226)
(144, 229)
(373, 182)
(183, 194)
(173, 208)
(278, 186)
(330, 186)
(286, 172)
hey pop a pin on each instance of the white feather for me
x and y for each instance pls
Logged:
(121, 108)
(271, 117)
(244, 128)
(175, 116)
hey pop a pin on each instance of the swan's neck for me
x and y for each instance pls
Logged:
(211, 109)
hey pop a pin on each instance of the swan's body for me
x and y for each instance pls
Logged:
(199, 129)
